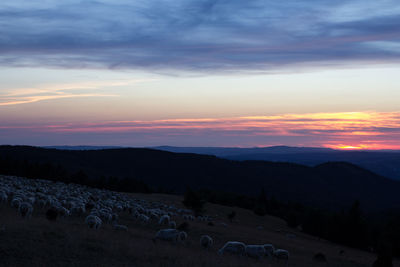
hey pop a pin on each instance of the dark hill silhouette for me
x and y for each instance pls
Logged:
(383, 162)
(234, 151)
(332, 185)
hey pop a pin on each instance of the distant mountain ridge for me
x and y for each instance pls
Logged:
(383, 162)
(82, 147)
(229, 151)
(329, 185)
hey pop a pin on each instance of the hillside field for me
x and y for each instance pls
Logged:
(68, 242)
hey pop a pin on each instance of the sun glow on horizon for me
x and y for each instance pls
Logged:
(349, 147)
(372, 146)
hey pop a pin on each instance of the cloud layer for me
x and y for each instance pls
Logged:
(356, 130)
(56, 91)
(198, 35)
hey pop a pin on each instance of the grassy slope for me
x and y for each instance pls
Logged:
(37, 242)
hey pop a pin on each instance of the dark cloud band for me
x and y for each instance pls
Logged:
(196, 35)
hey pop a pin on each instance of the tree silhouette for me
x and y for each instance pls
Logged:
(356, 231)
(193, 201)
(384, 256)
(261, 204)
(232, 216)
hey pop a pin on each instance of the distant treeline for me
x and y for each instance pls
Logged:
(330, 185)
(56, 172)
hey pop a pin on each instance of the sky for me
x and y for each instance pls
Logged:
(200, 73)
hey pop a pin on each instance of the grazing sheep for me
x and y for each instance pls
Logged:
(164, 220)
(3, 197)
(120, 227)
(63, 212)
(114, 217)
(93, 222)
(281, 254)
(188, 217)
(143, 218)
(16, 202)
(41, 203)
(269, 250)
(153, 216)
(172, 224)
(78, 210)
(182, 236)
(31, 200)
(61, 200)
(255, 251)
(135, 214)
(25, 210)
(320, 257)
(206, 241)
(290, 236)
(167, 235)
(233, 247)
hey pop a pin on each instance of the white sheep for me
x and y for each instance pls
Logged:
(164, 220)
(206, 241)
(3, 197)
(281, 254)
(16, 202)
(182, 236)
(172, 224)
(25, 209)
(143, 218)
(93, 221)
(187, 217)
(120, 227)
(255, 251)
(223, 224)
(41, 203)
(233, 247)
(269, 250)
(78, 210)
(63, 212)
(167, 235)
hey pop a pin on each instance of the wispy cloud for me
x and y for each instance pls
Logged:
(198, 35)
(367, 130)
(33, 99)
(18, 96)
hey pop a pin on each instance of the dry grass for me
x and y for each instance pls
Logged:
(68, 242)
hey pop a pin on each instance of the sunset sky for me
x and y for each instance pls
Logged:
(200, 73)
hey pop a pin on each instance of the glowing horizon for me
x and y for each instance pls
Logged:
(346, 130)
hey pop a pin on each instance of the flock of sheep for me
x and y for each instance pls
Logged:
(103, 206)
